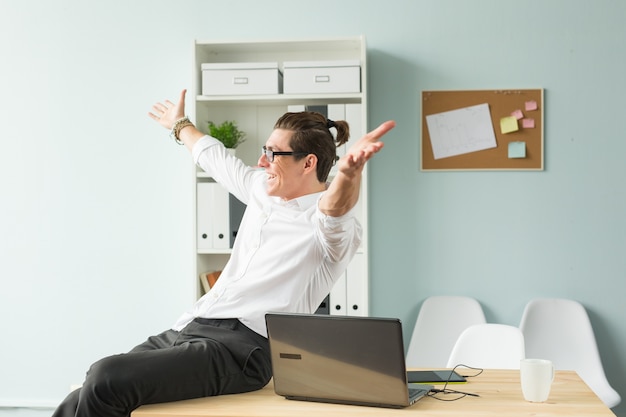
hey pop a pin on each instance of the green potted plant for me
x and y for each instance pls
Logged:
(228, 133)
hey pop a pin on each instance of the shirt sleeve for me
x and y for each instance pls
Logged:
(211, 155)
(341, 236)
(203, 144)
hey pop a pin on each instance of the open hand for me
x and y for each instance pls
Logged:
(167, 113)
(363, 150)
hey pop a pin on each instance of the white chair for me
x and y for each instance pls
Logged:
(440, 321)
(488, 345)
(560, 330)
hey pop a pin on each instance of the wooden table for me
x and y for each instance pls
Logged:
(499, 390)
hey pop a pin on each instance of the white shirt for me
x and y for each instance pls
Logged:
(287, 255)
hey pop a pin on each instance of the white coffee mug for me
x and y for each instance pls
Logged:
(536, 376)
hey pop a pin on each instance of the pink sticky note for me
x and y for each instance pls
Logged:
(518, 114)
(528, 123)
(531, 105)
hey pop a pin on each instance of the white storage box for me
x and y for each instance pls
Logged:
(241, 78)
(303, 77)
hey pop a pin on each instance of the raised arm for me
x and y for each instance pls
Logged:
(343, 192)
(167, 113)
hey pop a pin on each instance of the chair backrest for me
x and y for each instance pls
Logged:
(560, 330)
(488, 345)
(440, 321)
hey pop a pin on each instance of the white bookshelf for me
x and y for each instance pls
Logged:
(256, 115)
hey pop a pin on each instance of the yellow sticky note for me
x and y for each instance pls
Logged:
(508, 124)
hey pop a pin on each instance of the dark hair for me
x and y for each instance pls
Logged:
(311, 135)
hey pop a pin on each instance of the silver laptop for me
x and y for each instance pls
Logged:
(339, 359)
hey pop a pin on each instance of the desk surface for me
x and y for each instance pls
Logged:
(499, 390)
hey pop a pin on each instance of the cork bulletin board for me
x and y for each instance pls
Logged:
(482, 130)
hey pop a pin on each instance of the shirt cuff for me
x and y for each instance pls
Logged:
(204, 143)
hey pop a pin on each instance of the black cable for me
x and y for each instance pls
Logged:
(480, 370)
(445, 390)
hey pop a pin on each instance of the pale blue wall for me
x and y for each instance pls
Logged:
(94, 219)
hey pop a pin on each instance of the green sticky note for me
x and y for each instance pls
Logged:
(508, 124)
(517, 149)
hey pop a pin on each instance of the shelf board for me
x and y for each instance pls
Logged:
(214, 251)
(280, 50)
(282, 99)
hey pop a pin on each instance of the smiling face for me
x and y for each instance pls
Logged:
(288, 176)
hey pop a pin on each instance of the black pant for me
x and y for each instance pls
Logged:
(208, 357)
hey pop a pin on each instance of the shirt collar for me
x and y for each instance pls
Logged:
(303, 202)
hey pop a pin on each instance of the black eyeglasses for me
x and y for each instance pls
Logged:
(270, 154)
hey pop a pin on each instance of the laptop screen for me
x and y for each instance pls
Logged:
(355, 360)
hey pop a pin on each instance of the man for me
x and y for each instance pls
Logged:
(296, 238)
